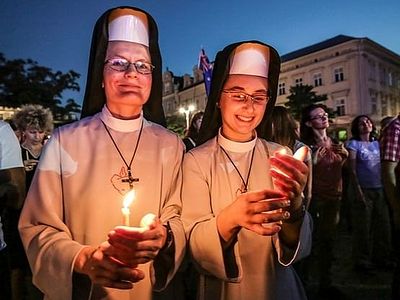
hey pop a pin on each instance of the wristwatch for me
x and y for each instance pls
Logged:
(297, 214)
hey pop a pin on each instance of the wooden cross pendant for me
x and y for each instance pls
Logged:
(130, 179)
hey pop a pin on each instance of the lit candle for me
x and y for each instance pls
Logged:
(128, 199)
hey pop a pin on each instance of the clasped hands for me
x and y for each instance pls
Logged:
(114, 262)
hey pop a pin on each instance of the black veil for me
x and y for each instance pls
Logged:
(95, 98)
(212, 120)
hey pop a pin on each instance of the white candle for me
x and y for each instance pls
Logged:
(147, 220)
(128, 199)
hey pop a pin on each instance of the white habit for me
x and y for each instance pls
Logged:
(256, 267)
(76, 198)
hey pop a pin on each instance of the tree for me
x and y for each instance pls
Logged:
(26, 82)
(300, 97)
(176, 123)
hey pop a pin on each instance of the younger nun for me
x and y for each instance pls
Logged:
(242, 199)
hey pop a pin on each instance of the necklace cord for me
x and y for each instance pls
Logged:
(119, 151)
(237, 170)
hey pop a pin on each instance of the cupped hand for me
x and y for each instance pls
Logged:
(105, 271)
(133, 245)
(258, 211)
(290, 177)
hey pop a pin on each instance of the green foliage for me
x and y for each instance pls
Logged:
(26, 82)
(176, 123)
(300, 97)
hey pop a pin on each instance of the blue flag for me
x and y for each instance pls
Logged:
(206, 67)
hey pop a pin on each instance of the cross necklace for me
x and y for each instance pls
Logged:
(130, 179)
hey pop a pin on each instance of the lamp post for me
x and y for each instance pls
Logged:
(187, 112)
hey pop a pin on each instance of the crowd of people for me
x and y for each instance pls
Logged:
(237, 209)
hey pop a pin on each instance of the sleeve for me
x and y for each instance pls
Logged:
(10, 151)
(48, 242)
(170, 257)
(390, 141)
(286, 255)
(352, 145)
(289, 255)
(200, 223)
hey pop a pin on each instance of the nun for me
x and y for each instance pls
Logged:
(71, 221)
(242, 196)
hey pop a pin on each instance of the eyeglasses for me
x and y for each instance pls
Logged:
(321, 117)
(123, 65)
(242, 97)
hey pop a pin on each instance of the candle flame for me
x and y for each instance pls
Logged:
(282, 151)
(301, 153)
(128, 199)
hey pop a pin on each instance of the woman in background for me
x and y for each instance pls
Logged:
(190, 139)
(371, 225)
(35, 123)
(328, 158)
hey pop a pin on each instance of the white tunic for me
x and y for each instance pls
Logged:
(259, 266)
(76, 198)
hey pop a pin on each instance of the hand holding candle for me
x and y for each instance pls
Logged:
(290, 175)
(136, 245)
(147, 221)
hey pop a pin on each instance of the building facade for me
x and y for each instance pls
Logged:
(358, 76)
(183, 91)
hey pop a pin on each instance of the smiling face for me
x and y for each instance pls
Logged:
(240, 118)
(126, 91)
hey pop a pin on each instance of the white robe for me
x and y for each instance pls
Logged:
(259, 266)
(76, 198)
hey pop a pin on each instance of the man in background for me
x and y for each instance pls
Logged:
(390, 156)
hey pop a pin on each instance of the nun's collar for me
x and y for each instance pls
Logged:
(232, 146)
(119, 124)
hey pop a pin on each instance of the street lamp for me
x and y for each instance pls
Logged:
(187, 112)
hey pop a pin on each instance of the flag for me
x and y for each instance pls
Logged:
(206, 68)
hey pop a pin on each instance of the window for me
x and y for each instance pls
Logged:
(167, 88)
(317, 79)
(374, 105)
(340, 107)
(384, 106)
(281, 89)
(371, 70)
(382, 76)
(390, 79)
(393, 105)
(339, 76)
(299, 81)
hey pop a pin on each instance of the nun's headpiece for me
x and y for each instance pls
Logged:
(123, 24)
(246, 58)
